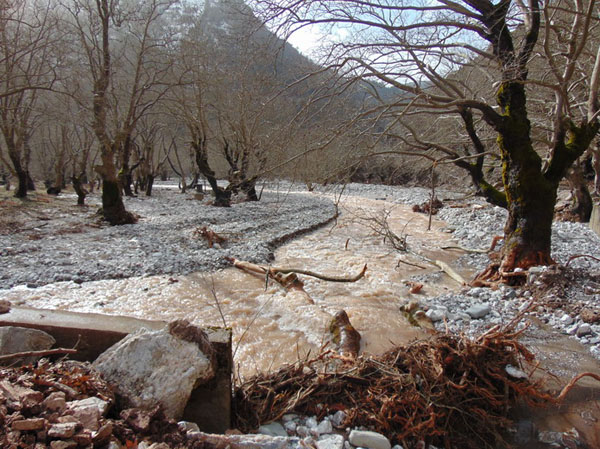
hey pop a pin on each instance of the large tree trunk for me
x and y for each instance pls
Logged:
(149, 184)
(530, 196)
(113, 208)
(79, 190)
(22, 182)
(222, 196)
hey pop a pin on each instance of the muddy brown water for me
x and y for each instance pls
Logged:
(272, 327)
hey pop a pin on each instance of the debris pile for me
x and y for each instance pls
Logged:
(428, 207)
(67, 405)
(441, 391)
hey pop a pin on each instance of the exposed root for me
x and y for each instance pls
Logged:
(444, 391)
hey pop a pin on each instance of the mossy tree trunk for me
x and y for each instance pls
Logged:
(113, 208)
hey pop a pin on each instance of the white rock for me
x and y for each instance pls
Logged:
(273, 429)
(338, 418)
(397, 446)
(311, 422)
(566, 319)
(142, 367)
(366, 438)
(302, 431)
(515, 372)
(290, 426)
(478, 310)
(330, 442)
(22, 339)
(435, 315)
(324, 427)
(584, 329)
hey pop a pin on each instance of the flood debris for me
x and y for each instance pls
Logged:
(212, 238)
(449, 391)
(344, 335)
(429, 207)
(281, 274)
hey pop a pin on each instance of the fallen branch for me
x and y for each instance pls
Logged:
(274, 271)
(37, 353)
(411, 264)
(449, 271)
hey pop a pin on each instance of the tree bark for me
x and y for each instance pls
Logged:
(222, 196)
(581, 209)
(531, 197)
(113, 209)
(149, 184)
(79, 190)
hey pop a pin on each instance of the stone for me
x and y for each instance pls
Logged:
(371, 440)
(22, 339)
(62, 430)
(63, 444)
(302, 431)
(478, 310)
(18, 397)
(324, 427)
(187, 426)
(515, 372)
(83, 438)
(273, 429)
(435, 315)
(4, 306)
(103, 434)
(338, 418)
(88, 411)
(590, 316)
(566, 319)
(28, 424)
(330, 442)
(290, 426)
(397, 446)
(142, 367)
(584, 329)
(55, 402)
(311, 422)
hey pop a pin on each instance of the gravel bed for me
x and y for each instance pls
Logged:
(163, 242)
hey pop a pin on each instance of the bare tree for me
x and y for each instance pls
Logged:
(120, 46)
(431, 52)
(26, 67)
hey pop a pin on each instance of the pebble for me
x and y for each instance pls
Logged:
(273, 429)
(371, 440)
(330, 442)
(583, 329)
(478, 310)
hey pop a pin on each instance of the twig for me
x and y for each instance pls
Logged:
(468, 250)
(38, 353)
(580, 255)
(411, 264)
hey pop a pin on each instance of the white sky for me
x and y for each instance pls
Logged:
(306, 40)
